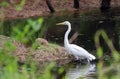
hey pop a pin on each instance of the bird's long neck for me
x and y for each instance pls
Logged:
(66, 42)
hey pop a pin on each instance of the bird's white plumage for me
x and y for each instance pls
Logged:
(77, 51)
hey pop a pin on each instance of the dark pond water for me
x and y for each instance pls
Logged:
(82, 71)
(85, 24)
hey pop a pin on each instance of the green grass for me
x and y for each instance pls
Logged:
(111, 71)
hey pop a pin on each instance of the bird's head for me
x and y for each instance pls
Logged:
(63, 23)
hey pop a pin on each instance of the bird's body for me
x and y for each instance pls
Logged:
(77, 51)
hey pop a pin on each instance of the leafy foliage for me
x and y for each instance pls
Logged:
(112, 71)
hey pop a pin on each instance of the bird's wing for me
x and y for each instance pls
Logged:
(78, 48)
(81, 51)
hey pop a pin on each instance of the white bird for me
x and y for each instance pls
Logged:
(77, 51)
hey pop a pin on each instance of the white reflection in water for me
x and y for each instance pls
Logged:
(83, 71)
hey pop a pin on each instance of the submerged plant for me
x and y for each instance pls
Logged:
(113, 70)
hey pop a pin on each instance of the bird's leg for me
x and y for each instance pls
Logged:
(88, 61)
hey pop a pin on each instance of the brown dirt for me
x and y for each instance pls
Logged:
(39, 8)
(43, 53)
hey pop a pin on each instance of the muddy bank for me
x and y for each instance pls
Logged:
(39, 8)
(38, 52)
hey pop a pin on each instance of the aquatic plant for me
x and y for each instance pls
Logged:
(112, 70)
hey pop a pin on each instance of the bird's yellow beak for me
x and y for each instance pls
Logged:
(62, 23)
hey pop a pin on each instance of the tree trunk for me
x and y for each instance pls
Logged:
(105, 4)
(50, 6)
(76, 4)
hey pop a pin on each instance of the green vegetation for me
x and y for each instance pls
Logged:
(9, 66)
(17, 4)
(112, 71)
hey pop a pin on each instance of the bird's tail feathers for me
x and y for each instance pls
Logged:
(92, 57)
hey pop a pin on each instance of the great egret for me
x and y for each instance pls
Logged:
(77, 51)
